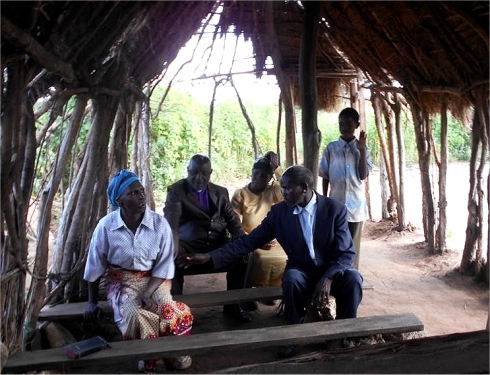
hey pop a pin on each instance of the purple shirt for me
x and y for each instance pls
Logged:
(203, 198)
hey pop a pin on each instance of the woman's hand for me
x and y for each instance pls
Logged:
(272, 156)
(184, 261)
(92, 312)
(147, 303)
(321, 294)
(144, 299)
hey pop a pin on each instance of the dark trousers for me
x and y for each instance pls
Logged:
(298, 288)
(235, 273)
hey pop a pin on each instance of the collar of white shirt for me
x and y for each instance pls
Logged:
(147, 220)
(309, 207)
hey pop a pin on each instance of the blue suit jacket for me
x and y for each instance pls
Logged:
(334, 248)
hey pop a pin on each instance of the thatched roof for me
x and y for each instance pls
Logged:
(79, 40)
(433, 46)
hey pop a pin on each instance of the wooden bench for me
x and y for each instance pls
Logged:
(75, 310)
(207, 299)
(205, 343)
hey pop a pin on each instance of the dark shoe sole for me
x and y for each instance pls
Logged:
(239, 316)
(249, 306)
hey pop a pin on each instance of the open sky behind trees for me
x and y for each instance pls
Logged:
(214, 61)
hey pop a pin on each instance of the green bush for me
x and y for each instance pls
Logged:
(181, 130)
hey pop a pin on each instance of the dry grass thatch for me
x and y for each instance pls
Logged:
(441, 47)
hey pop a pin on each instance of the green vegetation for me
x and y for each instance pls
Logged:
(181, 130)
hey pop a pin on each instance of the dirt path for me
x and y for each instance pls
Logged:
(405, 279)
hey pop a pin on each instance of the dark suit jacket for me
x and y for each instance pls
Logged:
(334, 248)
(196, 230)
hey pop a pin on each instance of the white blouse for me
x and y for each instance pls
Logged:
(150, 248)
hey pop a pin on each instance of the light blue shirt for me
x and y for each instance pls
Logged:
(307, 217)
(339, 165)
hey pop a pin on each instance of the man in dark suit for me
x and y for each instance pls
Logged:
(313, 231)
(202, 219)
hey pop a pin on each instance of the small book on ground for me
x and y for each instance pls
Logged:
(84, 347)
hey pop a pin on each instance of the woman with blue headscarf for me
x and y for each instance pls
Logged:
(133, 248)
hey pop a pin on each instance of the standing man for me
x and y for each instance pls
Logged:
(202, 219)
(344, 166)
(312, 229)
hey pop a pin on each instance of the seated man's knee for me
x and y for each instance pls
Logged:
(351, 284)
(353, 276)
(291, 278)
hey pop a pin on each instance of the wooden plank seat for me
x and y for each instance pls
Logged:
(74, 310)
(206, 343)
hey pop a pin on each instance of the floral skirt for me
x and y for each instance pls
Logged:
(165, 317)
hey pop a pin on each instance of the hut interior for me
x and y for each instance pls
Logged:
(432, 55)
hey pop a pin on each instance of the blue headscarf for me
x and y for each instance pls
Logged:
(119, 183)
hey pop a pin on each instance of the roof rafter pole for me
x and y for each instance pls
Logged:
(405, 52)
(442, 204)
(467, 18)
(437, 33)
(285, 84)
(308, 86)
(31, 47)
(293, 71)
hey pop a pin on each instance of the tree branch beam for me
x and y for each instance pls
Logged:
(31, 46)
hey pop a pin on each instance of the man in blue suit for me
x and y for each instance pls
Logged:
(313, 231)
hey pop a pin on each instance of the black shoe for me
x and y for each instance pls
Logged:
(250, 305)
(237, 312)
(270, 302)
(286, 351)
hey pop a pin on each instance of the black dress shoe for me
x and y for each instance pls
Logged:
(250, 305)
(237, 312)
(286, 351)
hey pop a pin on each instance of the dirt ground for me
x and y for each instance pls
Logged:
(399, 277)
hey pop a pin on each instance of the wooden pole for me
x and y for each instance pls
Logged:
(308, 87)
